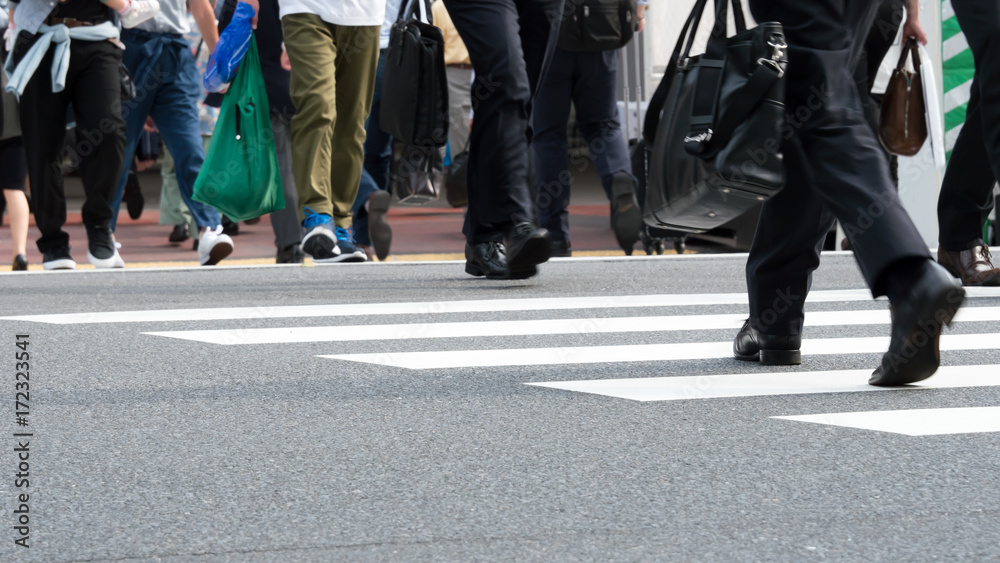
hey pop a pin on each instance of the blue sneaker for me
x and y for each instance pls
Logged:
(318, 240)
(348, 252)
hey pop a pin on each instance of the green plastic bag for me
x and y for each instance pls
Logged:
(240, 174)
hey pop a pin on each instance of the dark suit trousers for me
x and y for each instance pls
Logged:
(967, 193)
(835, 167)
(510, 43)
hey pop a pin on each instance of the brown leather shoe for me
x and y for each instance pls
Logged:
(972, 266)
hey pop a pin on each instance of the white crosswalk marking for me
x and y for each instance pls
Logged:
(443, 307)
(411, 331)
(915, 422)
(768, 384)
(636, 353)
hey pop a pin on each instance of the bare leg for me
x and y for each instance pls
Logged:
(17, 209)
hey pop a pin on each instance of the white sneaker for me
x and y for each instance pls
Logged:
(115, 261)
(213, 246)
(138, 12)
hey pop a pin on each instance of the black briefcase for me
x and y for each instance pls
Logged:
(716, 146)
(414, 86)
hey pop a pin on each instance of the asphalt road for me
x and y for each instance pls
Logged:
(163, 447)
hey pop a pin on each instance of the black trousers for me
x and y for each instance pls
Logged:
(835, 167)
(967, 192)
(93, 87)
(510, 43)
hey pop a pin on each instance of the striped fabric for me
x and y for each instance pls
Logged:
(958, 70)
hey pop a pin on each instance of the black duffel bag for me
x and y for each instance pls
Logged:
(597, 25)
(414, 86)
(716, 147)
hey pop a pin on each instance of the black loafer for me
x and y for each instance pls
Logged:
(914, 351)
(486, 259)
(527, 246)
(561, 249)
(768, 349)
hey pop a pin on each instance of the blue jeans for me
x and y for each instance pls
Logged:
(378, 155)
(587, 80)
(168, 88)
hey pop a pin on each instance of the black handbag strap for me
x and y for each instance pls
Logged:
(711, 70)
(652, 120)
(408, 8)
(708, 136)
(684, 44)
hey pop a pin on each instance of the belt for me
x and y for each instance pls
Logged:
(465, 66)
(68, 22)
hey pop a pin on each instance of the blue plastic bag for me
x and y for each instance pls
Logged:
(229, 51)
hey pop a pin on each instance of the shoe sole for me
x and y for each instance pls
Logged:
(772, 357)
(61, 264)
(627, 221)
(924, 341)
(522, 265)
(320, 244)
(356, 256)
(378, 223)
(107, 263)
(218, 253)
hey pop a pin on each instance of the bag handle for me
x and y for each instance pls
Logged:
(711, 70)
(682, 52)
(405, 11)
(652, 120)
(708, 136)
(909, 48)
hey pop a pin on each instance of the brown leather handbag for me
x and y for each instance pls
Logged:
(903, 121)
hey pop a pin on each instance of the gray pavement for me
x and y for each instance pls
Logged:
(154, 448)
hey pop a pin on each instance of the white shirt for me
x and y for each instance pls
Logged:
(338, 12)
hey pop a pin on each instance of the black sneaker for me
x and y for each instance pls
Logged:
(101, 251)
(58, 259)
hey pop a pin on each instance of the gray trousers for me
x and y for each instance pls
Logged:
(460, 107)
(285, 221)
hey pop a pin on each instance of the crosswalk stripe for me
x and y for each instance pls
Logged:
(605, 325)
(443, 307)
(683, 388)
(912, 422)
(635, 353)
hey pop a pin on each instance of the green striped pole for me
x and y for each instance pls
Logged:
(957, 70)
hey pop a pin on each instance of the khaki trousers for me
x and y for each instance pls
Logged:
(333, 79)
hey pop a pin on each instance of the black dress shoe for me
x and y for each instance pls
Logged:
(180, 233)
(561, 249)
(914, 351)
(768, 349)
(527, 246)
(626, 215)
(290, 255)
(20, 263)
(486, 259)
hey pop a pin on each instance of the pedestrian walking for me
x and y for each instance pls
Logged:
(80, 37)
(836, 170)
(966, 197)
(510, 44)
